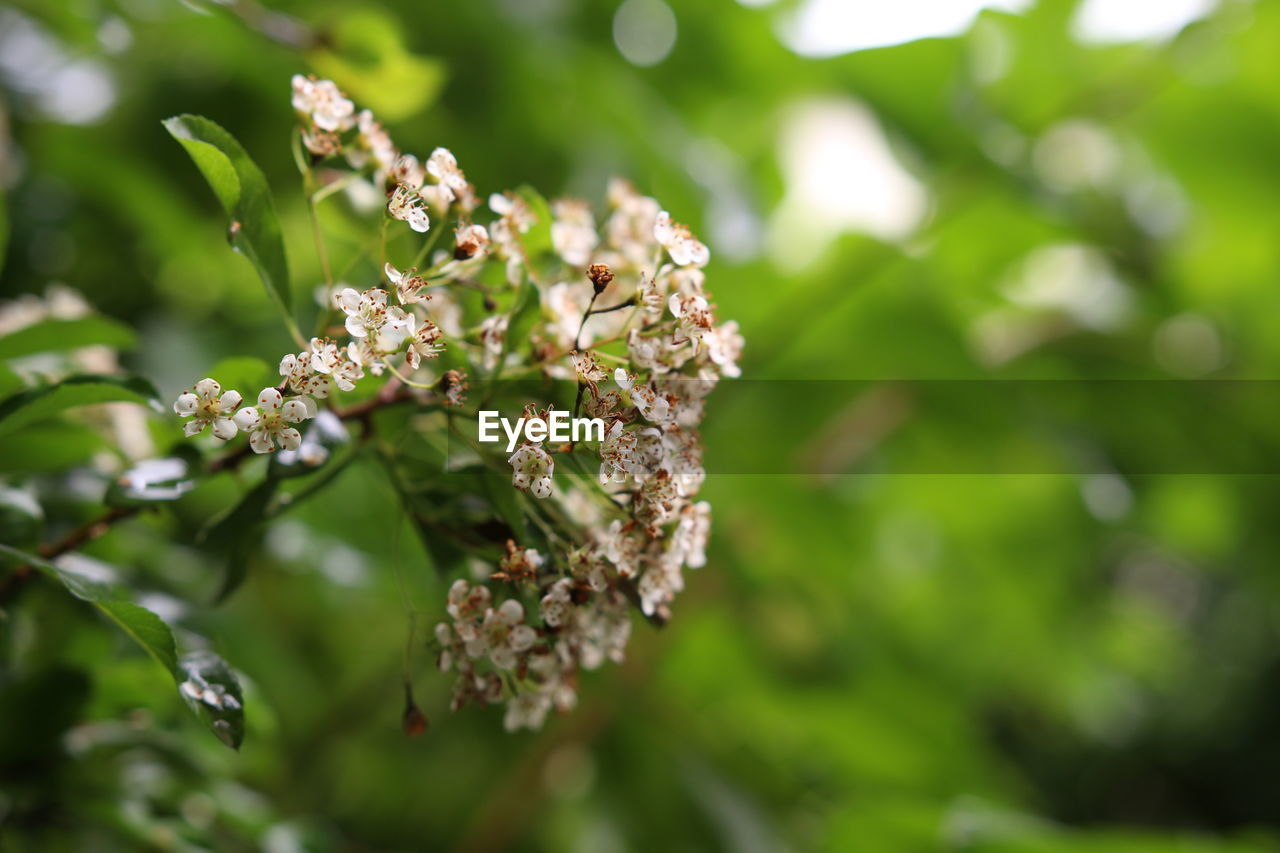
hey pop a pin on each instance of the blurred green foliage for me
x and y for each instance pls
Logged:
(869, 662)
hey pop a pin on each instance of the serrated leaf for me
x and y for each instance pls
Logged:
(46, 401)
(210, 688)
(241, 188)
(59, 335)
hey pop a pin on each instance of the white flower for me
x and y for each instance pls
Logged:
(658, 587)
(208, 405)
(683, 247)
(493, 335)
(369, 316)
(503, 635)
(270, 421)
(652, 404)
(406, 205)
(323, 102)
(724, 348)
(557, 603)
(528, 710)
(588, 368)
(465, 601)
(532, 469)
(617, 454)
(621, 549)
(469, 241)
(376, 141)
(694, 314)
(408, 284)
(630, 226)
(425, 343)
(301, 378)
(689, 540)
(452, 183)
(407, 171)
(573, 231)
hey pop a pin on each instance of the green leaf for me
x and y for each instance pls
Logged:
(246, 374)
(58, 335)
(240, 186)
(150, 481)
(48, 400)
(364, 53)
(21, 517)
(211, 689)
(205, 681)
(146, 628)
(537, 240)
(232, 533)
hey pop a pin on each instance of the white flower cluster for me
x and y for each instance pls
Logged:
(624, 314)
(650, 467)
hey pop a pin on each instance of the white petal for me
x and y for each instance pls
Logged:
(260, 441)
(511, 611)
(541, 488)
(270, 399)
(191, 428)
(224, 428)
(349, 300)
(355, 328)
(290, 438)
(208, 388)
(393, 275)
(248, 418)
(521, 638)
(186, 404)
(294, 411)
(230, 400)
(662, 230)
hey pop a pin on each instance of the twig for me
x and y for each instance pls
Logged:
(391, 394)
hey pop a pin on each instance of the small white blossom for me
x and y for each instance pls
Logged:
(369, 316)
(469, 241)
(425, 343)
(617, 454)
(573, 231)
(493, 335)
(557, 604)
(450, 181)
(689, 540)
(408, 171)
(526, 711)
(206, 406)
(408, 284)
(269, 422)
(503, 635)
(406, 205)
(376, 141)
(684, 249)
(323, 102)
(724, 348)
(532, 470)
(301, 378)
